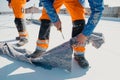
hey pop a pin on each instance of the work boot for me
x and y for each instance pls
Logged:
(22, 42)
(36, 53)
(81, 61)
(18, 38)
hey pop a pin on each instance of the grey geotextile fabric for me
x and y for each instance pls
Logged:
(59, 57)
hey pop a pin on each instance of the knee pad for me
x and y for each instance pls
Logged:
(78, 26)
(44, 29)
(20, 24)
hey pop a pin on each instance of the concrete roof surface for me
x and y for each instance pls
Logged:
(104, 62)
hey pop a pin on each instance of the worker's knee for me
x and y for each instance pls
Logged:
(78, 26)
(20, 24)
(44, 29)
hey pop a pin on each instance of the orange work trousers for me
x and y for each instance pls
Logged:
(75, 9)
(18, 8)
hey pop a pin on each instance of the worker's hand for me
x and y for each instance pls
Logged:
(81, 39)
(58, 25)
(9, 5)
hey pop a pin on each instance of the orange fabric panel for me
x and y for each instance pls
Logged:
(79, 49)
(42, 43)
(44, 15)
(45, 46)
(74, 8)
(23, 34)
(18, 8)
(57, 5)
